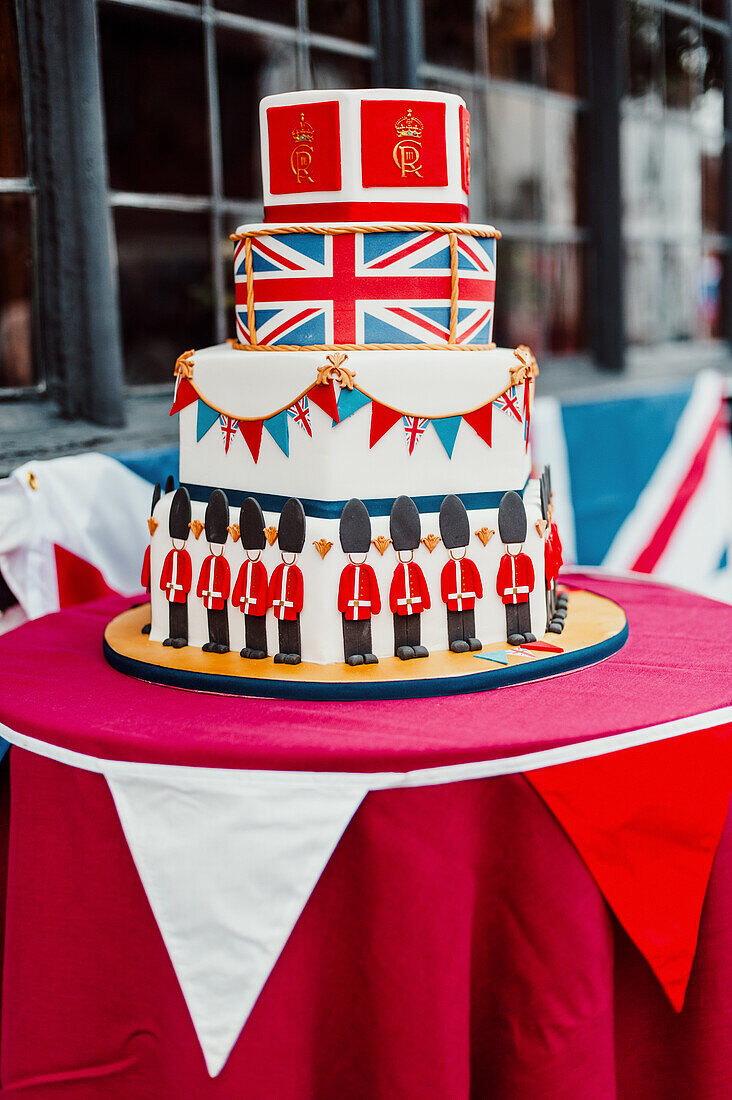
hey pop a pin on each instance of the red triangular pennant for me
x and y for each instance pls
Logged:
(252, 432)
(326, 399)
(382, 418)
(184, 395)
(481, 421)
(647, 822)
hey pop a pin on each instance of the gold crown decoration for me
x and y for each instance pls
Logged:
(270, 533)
(196, 526)
(409, 126)
(485, 534)
(323, 546)
(234, 531)
(381, 542)
(430, 541)
(152, 526)
(303, 131)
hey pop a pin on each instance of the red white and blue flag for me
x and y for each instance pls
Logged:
(508, 402)
(365, 288)
(414, 429)
(229, 427)
(300, 414)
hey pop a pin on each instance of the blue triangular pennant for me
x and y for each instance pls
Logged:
(499, 656)
(206, 417)
(278, 428)
(447, 428)
(349, 402)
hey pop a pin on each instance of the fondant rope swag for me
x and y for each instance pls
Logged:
(237, 346)
(382, 227)
(338, 230)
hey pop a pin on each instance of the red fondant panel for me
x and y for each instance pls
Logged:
(304, 148)
(403, 149)
(465, 148)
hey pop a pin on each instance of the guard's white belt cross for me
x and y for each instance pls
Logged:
(212, 595)
(409, 600)
(515, 591)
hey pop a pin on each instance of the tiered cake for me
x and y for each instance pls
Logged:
(343, 460)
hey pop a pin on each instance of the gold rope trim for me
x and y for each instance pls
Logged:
(361, 347)
(249, 269)
(337, 230)
(454, 288)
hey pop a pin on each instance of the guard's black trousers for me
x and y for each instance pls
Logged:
(518, 618)
(289, 635)
(178, 620)
(407, 631)
(356, 637)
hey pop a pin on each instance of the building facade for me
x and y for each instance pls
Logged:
(129, 151)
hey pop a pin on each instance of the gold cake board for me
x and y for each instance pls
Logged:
(595, 628)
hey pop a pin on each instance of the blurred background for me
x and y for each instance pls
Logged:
(129, 150)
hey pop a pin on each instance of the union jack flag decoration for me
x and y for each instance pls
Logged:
(300, 413)
(414, 429)
(229, 428)
(365, 288)
(508, 402)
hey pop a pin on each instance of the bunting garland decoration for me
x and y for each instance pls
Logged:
(300, 414)
(414, 429)
(340, 405)
(229, 428)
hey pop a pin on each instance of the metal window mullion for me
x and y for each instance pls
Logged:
(303, 68)
(217, 171)
(691, 13)
(14, 186)
(461, 78)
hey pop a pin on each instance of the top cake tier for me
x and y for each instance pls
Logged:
(379, 154)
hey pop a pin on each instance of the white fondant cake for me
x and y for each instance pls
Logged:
(363, 371)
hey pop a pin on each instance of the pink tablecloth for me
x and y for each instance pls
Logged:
(456, 944)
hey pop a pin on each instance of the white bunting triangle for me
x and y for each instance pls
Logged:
(228, 862)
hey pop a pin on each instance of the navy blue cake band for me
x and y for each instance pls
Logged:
(331, 509)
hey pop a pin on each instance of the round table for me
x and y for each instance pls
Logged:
(456, 944)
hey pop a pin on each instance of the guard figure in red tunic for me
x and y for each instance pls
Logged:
(250, 590)
(515, 580)
(176, 578)
(558, 601)
(286, 587)
(408, 594)
(358, 591)
(214, 580)
(460, 583)
(152, 524)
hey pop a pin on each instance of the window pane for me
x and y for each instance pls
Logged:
(449, 33)
(535, 42)
(562, 279)
(17, 367)
(249, 68)
(12, 152)
(685, 61)
(642, 289)
(560, 183)
(343, 18)
(514, 157)
(166, 289)
(642, 168)
(155, 100)
(332, 70)
(518, 296)
(644, 52)
(275, 11)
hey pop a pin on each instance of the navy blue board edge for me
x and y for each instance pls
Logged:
(555, 665)
(332, 509)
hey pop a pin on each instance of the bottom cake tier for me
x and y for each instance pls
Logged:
(214, 605)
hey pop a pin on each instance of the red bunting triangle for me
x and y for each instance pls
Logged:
(184, 395)
(481, 421)
(325, 398)
(647, 822)
(252, 432)
(382, 418)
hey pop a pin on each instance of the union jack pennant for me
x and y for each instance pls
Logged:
(300, 413)
(229, 428)
(508, 402)
(414, 428)
(365, 288)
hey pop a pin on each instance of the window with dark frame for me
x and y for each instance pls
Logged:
(181, 80)
(19, 368)
(181, 85)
